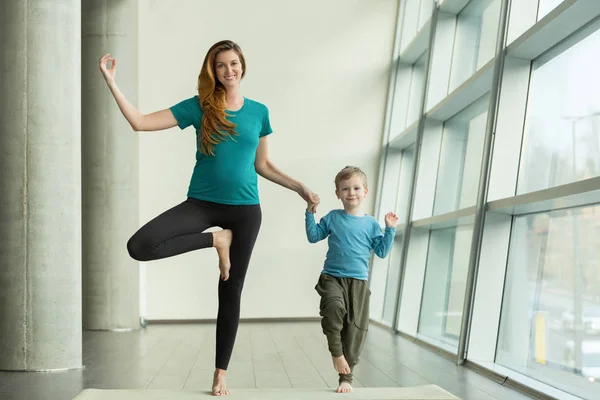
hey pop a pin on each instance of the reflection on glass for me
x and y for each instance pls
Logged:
(475, 41)
(460, 159)
(546, 6)
(444, 287)
(550, 324)
(562, 133)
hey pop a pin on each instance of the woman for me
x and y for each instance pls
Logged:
(231, 150)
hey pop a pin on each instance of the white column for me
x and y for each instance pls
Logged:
(109, 168)
(40, 179)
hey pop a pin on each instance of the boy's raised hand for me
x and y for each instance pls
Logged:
(311, 207)
(391, 220)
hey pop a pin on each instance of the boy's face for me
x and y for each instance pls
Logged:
(352, 191)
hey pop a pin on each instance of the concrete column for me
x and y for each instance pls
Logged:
(109, 168)
(40, 183)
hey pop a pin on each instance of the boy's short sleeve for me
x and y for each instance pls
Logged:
(266, 127)
(187, 112)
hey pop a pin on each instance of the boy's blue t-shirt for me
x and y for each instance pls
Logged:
(229, 176)
(351, 240)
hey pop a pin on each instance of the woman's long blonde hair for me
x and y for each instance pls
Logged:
(212, 97)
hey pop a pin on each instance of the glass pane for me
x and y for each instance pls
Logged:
(393, 277)
(405, 182)
(460, 159)
(408, 92)
(416, 91)
(377, 284)
(401, 209)
(389, 194)
(475, 41)
(410, 22)
(401, 99)
(391, 175)
(562, 132)
(550, 324)
(444, 287)
(426, 12)
(546, 6)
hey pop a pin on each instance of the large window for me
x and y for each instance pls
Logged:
(534, 316)
(550, 325)
(562, 132)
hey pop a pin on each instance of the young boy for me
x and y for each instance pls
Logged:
(343, 285)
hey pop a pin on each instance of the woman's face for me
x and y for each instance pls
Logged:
(228, 68)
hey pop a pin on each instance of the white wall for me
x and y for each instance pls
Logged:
(322, 67)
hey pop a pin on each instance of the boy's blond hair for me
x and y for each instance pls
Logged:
(347, 173)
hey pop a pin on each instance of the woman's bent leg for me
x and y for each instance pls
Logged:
(173, 232)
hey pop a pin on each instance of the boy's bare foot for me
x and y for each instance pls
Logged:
(344, 387)
(222, 242)
(341, 365)
(218, 387)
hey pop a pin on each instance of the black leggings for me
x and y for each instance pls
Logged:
(179, 230)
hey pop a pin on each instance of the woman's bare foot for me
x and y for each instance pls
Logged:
(218, 387)
(222, 242)
(344, 387)
(341, 365)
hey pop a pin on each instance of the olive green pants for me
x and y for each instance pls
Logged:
(345, 317)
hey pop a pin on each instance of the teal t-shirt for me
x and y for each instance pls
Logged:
(351, 240)
(229, 176)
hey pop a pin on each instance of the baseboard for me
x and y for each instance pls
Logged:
(506, 381)
(379, 324)
(244, 320)
(439, 351)
(483, 371)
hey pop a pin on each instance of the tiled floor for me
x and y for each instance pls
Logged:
(267, 355)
